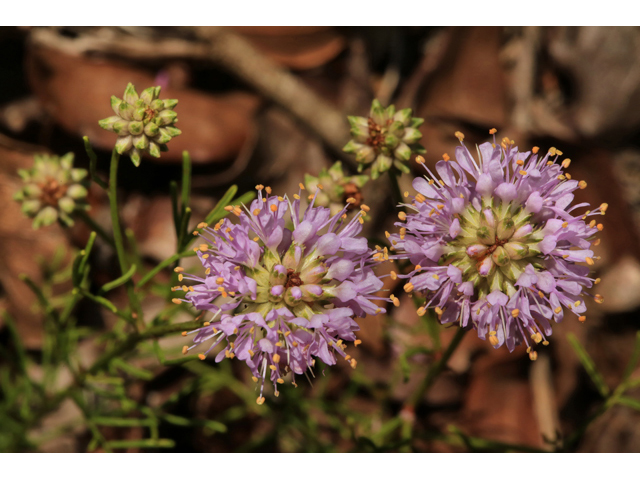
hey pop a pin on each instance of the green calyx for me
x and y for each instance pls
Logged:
(494, 246)
(386, 138)
(143, 123)
(52, 190)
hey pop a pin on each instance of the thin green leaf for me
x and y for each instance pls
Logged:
(186, 180)
(164, 264)
(122, 422)
(218, 211)
(131, 370)
(588, 365)
(629, 402)
(173, 190)
(635, 357)
(148, 443)
(119, 281)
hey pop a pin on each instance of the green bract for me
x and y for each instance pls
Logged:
(384, 139)
(52, 190)
(143, 122)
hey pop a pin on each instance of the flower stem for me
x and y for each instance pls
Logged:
(435, 370)
(91, 223)
(117, 238)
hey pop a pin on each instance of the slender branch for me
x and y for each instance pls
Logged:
(91, 223)
(435, 370)
(118, 240)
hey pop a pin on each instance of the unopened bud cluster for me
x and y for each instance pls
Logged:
(335, 188)
(52, 190)
(144, 123)
(386, 138)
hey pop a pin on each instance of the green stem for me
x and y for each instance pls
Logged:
(435, 370)
(91, 223)
(136, 338)
(117, 237)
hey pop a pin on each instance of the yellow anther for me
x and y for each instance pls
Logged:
(276, 358)
(592, 224)
(296, 196)
(535, 150)
(493, 131)
(361, 220)
(558, 152)
(273, 367)
(387, 234)
(204, 247)
(357, 342)
(599, 298)
(440, 206)
(582, 319)
(589, 261)
(582, 184)
(536, 337)
(396, 302)
(206, 255)
(533, 355)
(353, 363)
(364, 207)
(408, 287)
(406, 194)
(393, 275)
(600, 227)
(439, 311)
(201, 356)
(545, 343)
(256, 212)
(493, 340)
(219, 280)
(301, 186)
(273, 207)
(552, 151)
(178, 269)
(260, 400)
(177, 301)
(519, 162)
(597, 242)
(566, 162)
(435, 276)
(459, 136)
(259, 187)
(421, 311)
(515, 312)
(420, 159)
(446, 157)
(522, 172)
(280, 381)
(268, 190)
(565, 224)
(567, 175)
(603, 207)
(558, 310)
(402, 216)
(255, 239)
(597, 281)
(577, 303)
(420, 198)
(185, 349)
(229, 208)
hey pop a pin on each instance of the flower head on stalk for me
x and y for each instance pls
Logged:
(280, 296)
(52, 190)
(336, 188)
(385, 138)
(144, 123)
(497, 243)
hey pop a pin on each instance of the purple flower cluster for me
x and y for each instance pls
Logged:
(281, 295)
(497, 243)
